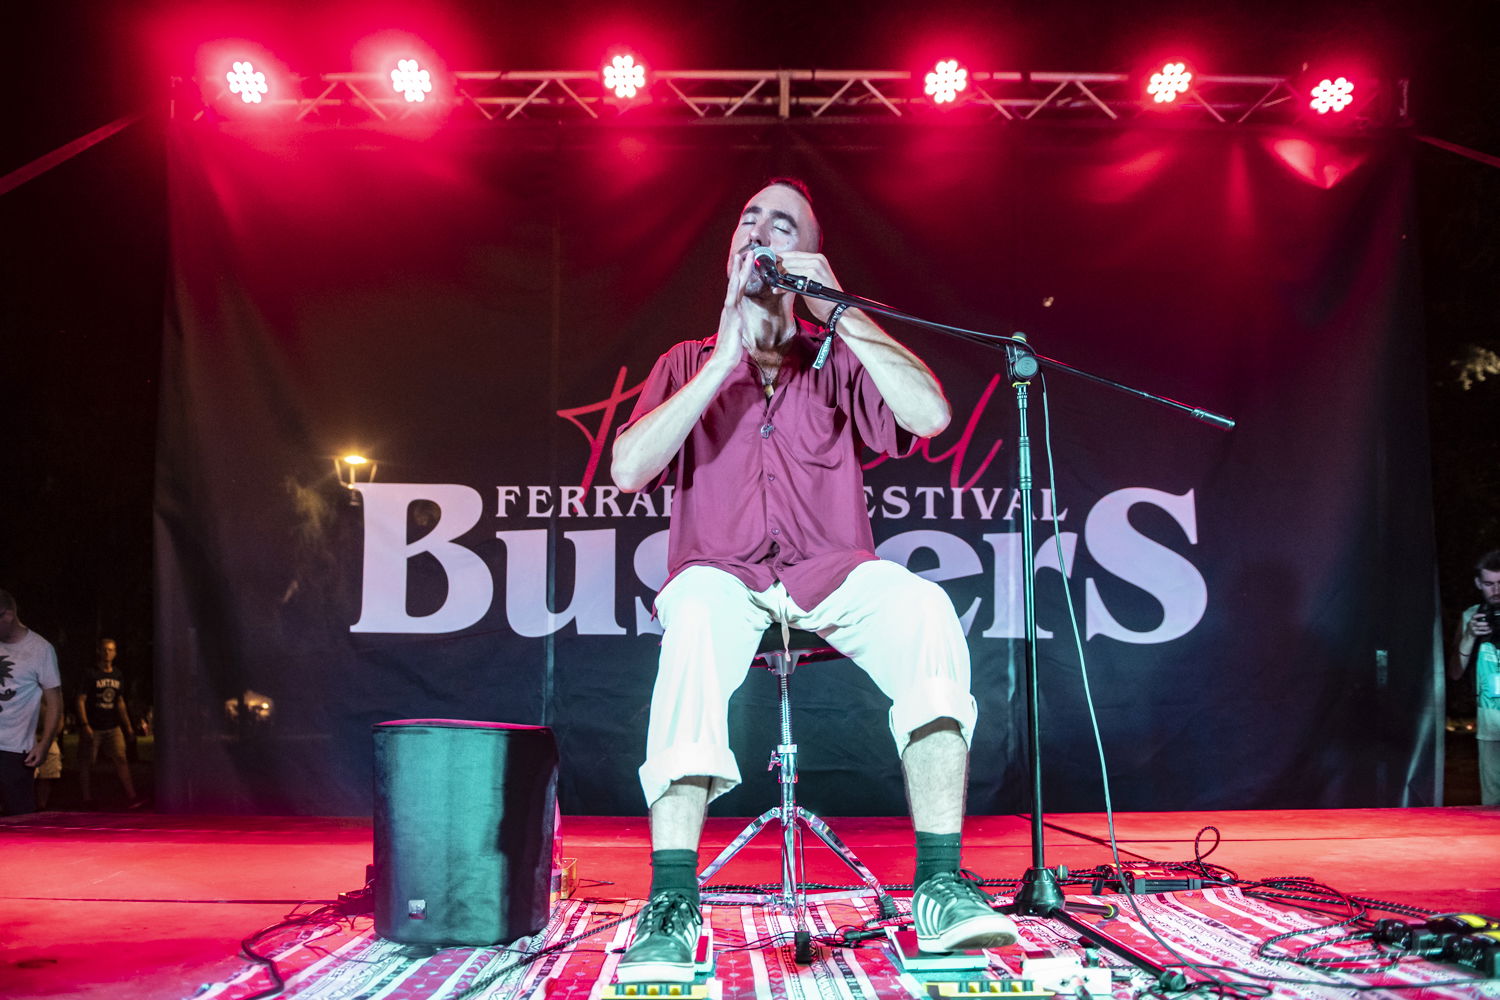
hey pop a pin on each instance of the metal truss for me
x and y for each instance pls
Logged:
(758, 96)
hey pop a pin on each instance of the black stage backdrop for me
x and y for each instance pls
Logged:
(475, 310)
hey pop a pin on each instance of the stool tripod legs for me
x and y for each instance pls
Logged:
(792, 898)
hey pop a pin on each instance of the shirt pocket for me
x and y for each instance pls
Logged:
(820, 435)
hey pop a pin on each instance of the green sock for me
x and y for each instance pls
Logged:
(675, 871)
(936, 852)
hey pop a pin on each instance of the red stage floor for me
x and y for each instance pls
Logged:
(131, 906)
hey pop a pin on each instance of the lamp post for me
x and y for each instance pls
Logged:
(351, 470)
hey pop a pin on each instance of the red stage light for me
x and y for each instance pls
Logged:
(1172, 79)
(411, 81)
(247, 82)
(240, 76)
(624, 76)
(422, 89)
(1332, 95)
(946, 81)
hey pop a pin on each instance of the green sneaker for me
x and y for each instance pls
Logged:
(666, 942)
(951, 913)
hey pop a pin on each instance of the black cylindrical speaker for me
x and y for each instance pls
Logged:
(463, 830)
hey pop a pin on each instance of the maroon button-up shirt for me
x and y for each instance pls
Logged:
(771, 489)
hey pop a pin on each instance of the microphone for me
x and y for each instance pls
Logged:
(765, 263)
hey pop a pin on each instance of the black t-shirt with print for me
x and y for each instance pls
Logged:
(102, 691)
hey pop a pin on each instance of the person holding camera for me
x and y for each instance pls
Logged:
(1478, 631)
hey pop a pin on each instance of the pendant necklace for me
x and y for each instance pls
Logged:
(768, 379)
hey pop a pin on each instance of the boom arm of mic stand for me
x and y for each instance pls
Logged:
(814, 290)
(1207, 416)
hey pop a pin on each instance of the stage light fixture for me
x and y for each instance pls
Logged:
(240, 76)
(1331, 95)
(1172, 79)
(946, 81)
(411, 81)
(247, 82)
(625, 77)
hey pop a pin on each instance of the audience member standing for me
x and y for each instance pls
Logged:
(1478, 630)
(105, 719)
(49, 771)
(29, 686)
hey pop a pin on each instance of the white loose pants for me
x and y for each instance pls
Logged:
(899, 628)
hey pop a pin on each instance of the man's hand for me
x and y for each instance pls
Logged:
(733, 334)
(34, 757)
(906, 384)
(647, 446)
(1479, 627)
(814, 266)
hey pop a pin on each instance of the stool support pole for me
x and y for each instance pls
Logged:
(792, 897)
(786, 757)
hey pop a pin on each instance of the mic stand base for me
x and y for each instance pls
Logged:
(1041, 896)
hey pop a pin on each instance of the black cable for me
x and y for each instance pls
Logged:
(277, 983)
(775, 940)
(1387, 959)
(1354, 913)
(1355, 987)
(1212, 986)
(1380, 960)
(523, 959)
(325, 914)
(1405, 909)
(1218, 987)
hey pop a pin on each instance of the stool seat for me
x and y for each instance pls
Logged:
(806, 647)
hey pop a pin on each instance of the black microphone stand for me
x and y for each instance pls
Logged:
(1040, 894)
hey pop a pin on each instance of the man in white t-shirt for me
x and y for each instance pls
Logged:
(29, 685)
(1478, 631)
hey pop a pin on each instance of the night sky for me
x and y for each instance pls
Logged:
(84, 266)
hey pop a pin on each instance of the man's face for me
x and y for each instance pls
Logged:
(777, 217)
(107, 651)
(7, 623)
(1488, 582)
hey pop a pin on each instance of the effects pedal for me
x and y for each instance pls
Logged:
(1142, 878)
(1065, 974)
(1479, 951)
(701, 988)
(1467, 939)
(703, 985)
(953, 973)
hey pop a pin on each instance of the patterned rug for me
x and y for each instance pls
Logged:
(1218, 928)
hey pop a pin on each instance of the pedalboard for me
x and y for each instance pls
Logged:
(1470, 940)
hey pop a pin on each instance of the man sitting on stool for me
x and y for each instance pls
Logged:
(769, 524)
